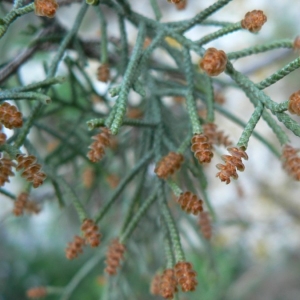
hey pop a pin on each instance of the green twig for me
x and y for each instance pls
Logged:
(122, 185)
(248, 130)
(127, 82)
(225, 30)
(137, 216)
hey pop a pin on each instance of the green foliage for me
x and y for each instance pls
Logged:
(122, 193)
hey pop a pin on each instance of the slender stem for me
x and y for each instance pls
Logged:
(7, 193)
(238, 121)
(191, 103)
(94, 123)
(172, 228)
(248, 130)
(7, 95)
(200, 17)
(174, 187)
(168, 247)
(86, 268)
(122, 185)
(127, 81)
(213, 36)
(104, 42)
(210, 99)
(51, 72)
(33, 86)
(124, 44)
(286, 43)
(70, 194)
(137, 216)
(14, 14)
(156, 9)
(286, 70)
(186, 142)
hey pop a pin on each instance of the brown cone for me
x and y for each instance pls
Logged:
(185, 276)
(114, 256)
(190, 203)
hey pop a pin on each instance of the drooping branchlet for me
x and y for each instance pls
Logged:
(5, 170)
(74, 248)
(168, 284)
(37, 292)
(32, 170)
(168, 165)
(233, 163)
(115, 254)
(205, 225)
(101, 141)
(294, 103)
(201, 148)
(103, 72)
(45, 8)
(190, 203)
(291, 161)
(91, 233)
(254, 20)
(10, 117)
(213, 62)
(185, 276)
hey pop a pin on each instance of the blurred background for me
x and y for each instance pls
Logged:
(255, 249)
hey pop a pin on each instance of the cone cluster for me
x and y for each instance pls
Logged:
(213, 62)
(205, 225)
(5, 170)
(291, 161)
(168, 284)
(114, 256)
(185, 276)
(202, 148)
(101, 141)
(254, 20)
(10, 117)
(31, 170)
(74, 248)
(23, 204)
(45, 8)
(233, 163)
(168, 165)
(103, 73)
(190, 203)
(155, 285)
(91, 233)
(216, 137)
(294, 103)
